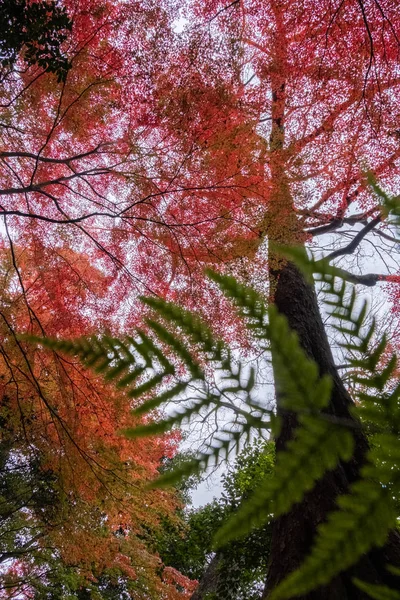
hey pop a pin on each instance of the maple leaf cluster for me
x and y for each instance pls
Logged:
(70, 172)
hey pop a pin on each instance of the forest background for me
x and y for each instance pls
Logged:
(140, 143)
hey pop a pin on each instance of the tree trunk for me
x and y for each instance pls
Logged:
(208, 585)
(292, 534)
(222, 578)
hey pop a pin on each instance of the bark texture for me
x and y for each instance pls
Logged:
(208, 585)
(222, 578)
(292, 534)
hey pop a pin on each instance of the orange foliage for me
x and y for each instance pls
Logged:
(161, 153)
(72, 419)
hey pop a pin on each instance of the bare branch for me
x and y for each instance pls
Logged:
(223, 9)
(47, 159)
(355, 242)
(388, 237)
(367, 279)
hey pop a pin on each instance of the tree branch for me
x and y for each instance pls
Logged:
(349, 249)
(47, 159)
(367, 279)
(223, 9)
(388, 237)
(337, 222)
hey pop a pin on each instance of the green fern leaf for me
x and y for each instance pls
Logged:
(250, 304)
(343, 539)
(189, 324)
(218, 450)
(298, 380)
(319, 445)
(161, 399)
(390, 204)
(377, 592)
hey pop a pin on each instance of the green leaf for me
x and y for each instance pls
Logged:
(378, 592)
(344, 538)
(317, 448)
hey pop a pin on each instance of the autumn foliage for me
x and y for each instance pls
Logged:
(68, 153)
(182, 135)
(69, 421)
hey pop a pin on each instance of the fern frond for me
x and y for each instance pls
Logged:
(189, 324)
(298, 381)
(377, 592)
(373, 366)
(382, 410)
(143, 366)
(343, 539)
(390, 204)
(124, 362)
(319, 445)
(216, 452)
(156, 401)
(176, 419)
(178, 347)
(250, 304)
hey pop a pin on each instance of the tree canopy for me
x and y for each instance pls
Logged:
(142, 141)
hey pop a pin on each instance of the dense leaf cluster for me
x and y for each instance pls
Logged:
(242, 564)
(38, 29)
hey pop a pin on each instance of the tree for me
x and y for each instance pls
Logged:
(211, 145)
(285, 104)
(39, 28)
(241, 566)
(238, 570)
(57, 61)
(79, 156)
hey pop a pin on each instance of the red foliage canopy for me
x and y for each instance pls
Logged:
(168, 149)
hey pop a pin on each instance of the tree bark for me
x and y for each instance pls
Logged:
(292, 534)
(208, 585)
(222, 578)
